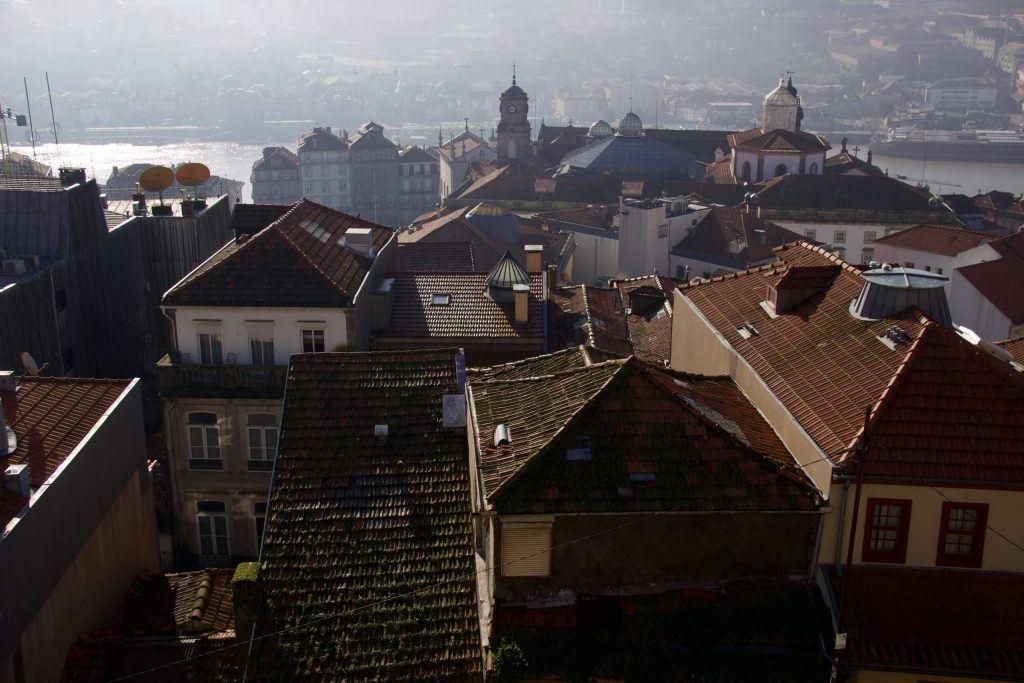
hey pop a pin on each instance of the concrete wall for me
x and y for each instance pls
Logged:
(89, 531)
(288, 325)
(668, 548)
(238, 487)
(968, 307)
(1005, 513)
(594, 257)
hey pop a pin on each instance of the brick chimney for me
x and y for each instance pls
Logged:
(534, 257)
(522, 296)
(246, 596)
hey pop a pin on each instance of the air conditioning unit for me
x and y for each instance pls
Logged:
(13, 266)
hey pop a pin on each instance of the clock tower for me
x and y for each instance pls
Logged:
(514, 126)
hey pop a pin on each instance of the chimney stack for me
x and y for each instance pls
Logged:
(522, 296)
(534, 256)
(16, 479)
(360, 240)
(246, 596)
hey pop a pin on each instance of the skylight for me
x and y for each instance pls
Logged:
(438, 299)
(315, 229)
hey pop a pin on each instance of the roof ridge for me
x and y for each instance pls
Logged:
(202, 595)
(590, 320)
(537, 454)
(523, 361)
(553, 375)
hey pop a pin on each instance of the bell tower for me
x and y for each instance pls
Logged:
(513, 125)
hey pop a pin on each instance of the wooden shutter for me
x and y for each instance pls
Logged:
(530, 542)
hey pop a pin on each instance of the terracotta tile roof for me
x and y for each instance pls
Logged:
(844, 162)
(51, 416)
(189, 602)
(436, 257)
(608, 437)
(1015, 347)
(363, 522)
(990, 277)
(903, 619)
(648, 304)
(722, 230)
(822, 363)
(778, 140)
(588, 315)
(720, 171)
(596, 217)
(469, 312)
(546, 364)
(934, 397)
(164, 618)
(935, 239)
(295, 261)
(876, 195)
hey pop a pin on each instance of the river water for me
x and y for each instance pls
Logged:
(235, 160)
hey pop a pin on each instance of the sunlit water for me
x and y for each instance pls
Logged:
(226, 159)
(234, 160)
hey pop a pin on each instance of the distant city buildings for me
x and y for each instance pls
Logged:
(275, 177)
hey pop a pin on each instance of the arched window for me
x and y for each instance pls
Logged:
(745, 174)
(780, 170)
(814, 169)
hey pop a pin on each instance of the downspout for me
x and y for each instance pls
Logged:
(813, 569)
(837, 562)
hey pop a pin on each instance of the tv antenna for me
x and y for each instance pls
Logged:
(31, 135)
(156, 179)
(55, 126)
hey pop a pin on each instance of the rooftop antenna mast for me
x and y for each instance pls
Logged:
(54, 126)
(31, 128)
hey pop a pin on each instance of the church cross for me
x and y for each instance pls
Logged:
(856, 149)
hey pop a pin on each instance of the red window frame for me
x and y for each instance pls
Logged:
(886, 532)
(949, 534)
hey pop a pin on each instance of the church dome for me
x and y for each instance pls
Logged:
(600, 129)
(630, 124)
(781, 96)
(514, 93)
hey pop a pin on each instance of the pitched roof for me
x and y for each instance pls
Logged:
(361, 522)
(468, 312)
(436, 257)
(321, 139)
(826, 367)
(591, 216)
(413, 154)
(545, 364)
(935, 239)
(991, 277)
(900, 620)
(844, 162)
(647, 301)
(289, 158)
(609, 437)
(735, 236)
(1015, 347)
(297, 260)
(880, 197)
(51, 416)
(780, 140)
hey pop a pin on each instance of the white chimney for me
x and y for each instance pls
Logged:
(360, 241)
(7, 385)
(16, 479)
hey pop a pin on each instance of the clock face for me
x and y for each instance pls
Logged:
(512, 109)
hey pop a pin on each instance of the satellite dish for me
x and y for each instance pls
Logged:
(193, 174)
(157, 179)
(31, 368)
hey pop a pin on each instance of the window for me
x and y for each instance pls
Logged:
(312, 341)
(867, 256)
(262, 430)
(210, 352)
(928, 269)
(745, 173)
(204, 442)
(939, 271)
(262, 349)
(962, 536)
(259, 512)
(869, 236)
(908, 264)
(811, 234)
(525, 549)
(307, 171)
(781, 170)
(814, 169)
(885, 530)
(839, 237)
(325, 186)
(213, 527)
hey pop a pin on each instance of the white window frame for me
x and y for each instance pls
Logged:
(211, 349)
(209, 518)
(204, 438)
(266, 433)
(261, 342)
(312, 327)
(839, 237)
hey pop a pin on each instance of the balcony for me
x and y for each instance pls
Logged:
(179, 378)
